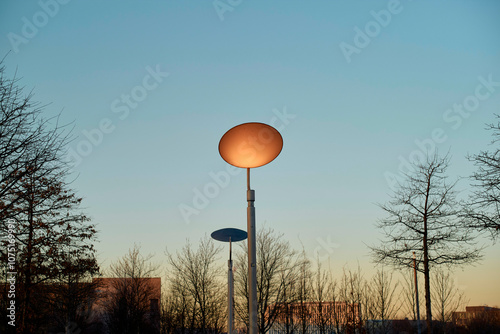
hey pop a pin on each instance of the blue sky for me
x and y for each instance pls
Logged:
(348, 118)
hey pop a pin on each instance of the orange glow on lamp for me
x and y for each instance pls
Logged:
(251, 145)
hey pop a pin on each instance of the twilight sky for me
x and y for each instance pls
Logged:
(356, 88)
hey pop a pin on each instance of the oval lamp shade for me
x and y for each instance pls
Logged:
(229, 234)
(250, 145)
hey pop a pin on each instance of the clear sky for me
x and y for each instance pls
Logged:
(355, 88)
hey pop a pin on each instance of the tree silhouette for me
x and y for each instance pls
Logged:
(197, 292)
(447, 298)
(277, 269)
(424, 216)
(131, 299)
(38, 210)
(383, 303)
(27, 140)
(483, 207)
(53, 240)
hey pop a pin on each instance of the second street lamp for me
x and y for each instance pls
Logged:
(230, 235)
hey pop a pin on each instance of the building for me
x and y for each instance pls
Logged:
(118, 295)
(490, 314)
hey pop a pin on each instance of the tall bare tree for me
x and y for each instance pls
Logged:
(28, 141)
(334, 293)
(287, 312)
(176, 311)
(303, 283)
(446, 296)
(483, 207)
(383, 298)
(50, 230)
(131, 297)
(51, 236)
(324, 294)
(353, 291)
(197, 289)
(276, 270)
(424, 217)
(295, 312)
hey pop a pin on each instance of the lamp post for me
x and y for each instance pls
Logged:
(230, 235)
(251, 145)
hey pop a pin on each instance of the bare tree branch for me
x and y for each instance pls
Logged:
(424, 217)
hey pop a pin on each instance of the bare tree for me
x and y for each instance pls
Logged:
(295, 312)
(353, 293)
(483, 207)
(446, 296)
(336, 317)
(72, 296)
(324, 294)
(176, 310)
(131, 295)
(29, 143)
(50, 232)
(196, 287)
(423, 216)
(383, 298)
(287, 311)
(276, 269)
(54, 240)
(304, 293)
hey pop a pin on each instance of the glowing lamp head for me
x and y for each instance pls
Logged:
(250, 145)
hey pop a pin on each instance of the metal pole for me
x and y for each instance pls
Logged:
(416, 291)
(252, 270)
(230, 320)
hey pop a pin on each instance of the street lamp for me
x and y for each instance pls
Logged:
(230, 235)
(251, 145)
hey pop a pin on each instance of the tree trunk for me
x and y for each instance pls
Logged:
(427, 281)
(27, 273)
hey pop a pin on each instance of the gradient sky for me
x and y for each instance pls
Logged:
(351, 96)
